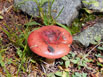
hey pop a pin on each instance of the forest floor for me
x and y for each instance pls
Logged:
(80, 62)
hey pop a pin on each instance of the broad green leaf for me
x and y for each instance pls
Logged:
(87, 60)
(99, 55)
(93, 42)
(75, 61)
(97, 38)
(65, 58)
(86, 2)
(73, 54)
(58, 73)
(67, 63)
(88, 11)
(84, 74)
(96, 3)
(101, 10)
(77, 74)
(61, 63)
(100, 48)
(65, 74)
(51, 75)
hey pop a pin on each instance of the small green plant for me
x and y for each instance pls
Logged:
(91, 2)
(73, 58)
(18, 38)
(16, 35)
(44, 14)
(77, 74)
(99, 56)
(59, 74)
(94, 2)
(3, 63)
(76, 26)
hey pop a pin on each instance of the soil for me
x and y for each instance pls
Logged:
(12, 16)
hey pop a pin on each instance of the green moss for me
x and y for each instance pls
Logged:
(76, 26)
(80, 21)
(74, 29)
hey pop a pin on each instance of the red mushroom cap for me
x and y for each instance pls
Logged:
(50, 41)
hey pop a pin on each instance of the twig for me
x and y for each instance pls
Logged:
(6, 9)
(90, 51)
(43, 68)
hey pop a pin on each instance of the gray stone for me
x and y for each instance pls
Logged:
(95, 5)
(69, 12)
(91, 33)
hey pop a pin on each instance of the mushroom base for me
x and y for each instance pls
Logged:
(50, 62)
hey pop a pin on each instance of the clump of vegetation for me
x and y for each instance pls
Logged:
(79, 63)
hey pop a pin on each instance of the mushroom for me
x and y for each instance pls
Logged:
(51, 42)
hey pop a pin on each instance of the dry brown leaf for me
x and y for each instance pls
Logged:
(6, 10)
(60, 67)
(101, 69)
(99, 74)
(67, 69)
(33, 74)
(1, 17)
(10, 0)
(100, 60)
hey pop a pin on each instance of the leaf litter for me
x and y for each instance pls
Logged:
(93, 64)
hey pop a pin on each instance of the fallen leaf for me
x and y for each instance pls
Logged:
(100, 60)
(10, 0)
(1, 17)
(60, 67)
(67, 69)
(98, 74)
(101, 69)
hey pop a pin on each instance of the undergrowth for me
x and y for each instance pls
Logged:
(18, 37)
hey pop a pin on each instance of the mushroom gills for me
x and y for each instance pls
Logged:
(50, 49)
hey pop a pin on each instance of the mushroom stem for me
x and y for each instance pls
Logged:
(50, 62)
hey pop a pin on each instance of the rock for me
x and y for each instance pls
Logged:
(69, 12)
(95, 5)
(66, 17)
(91, 33)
